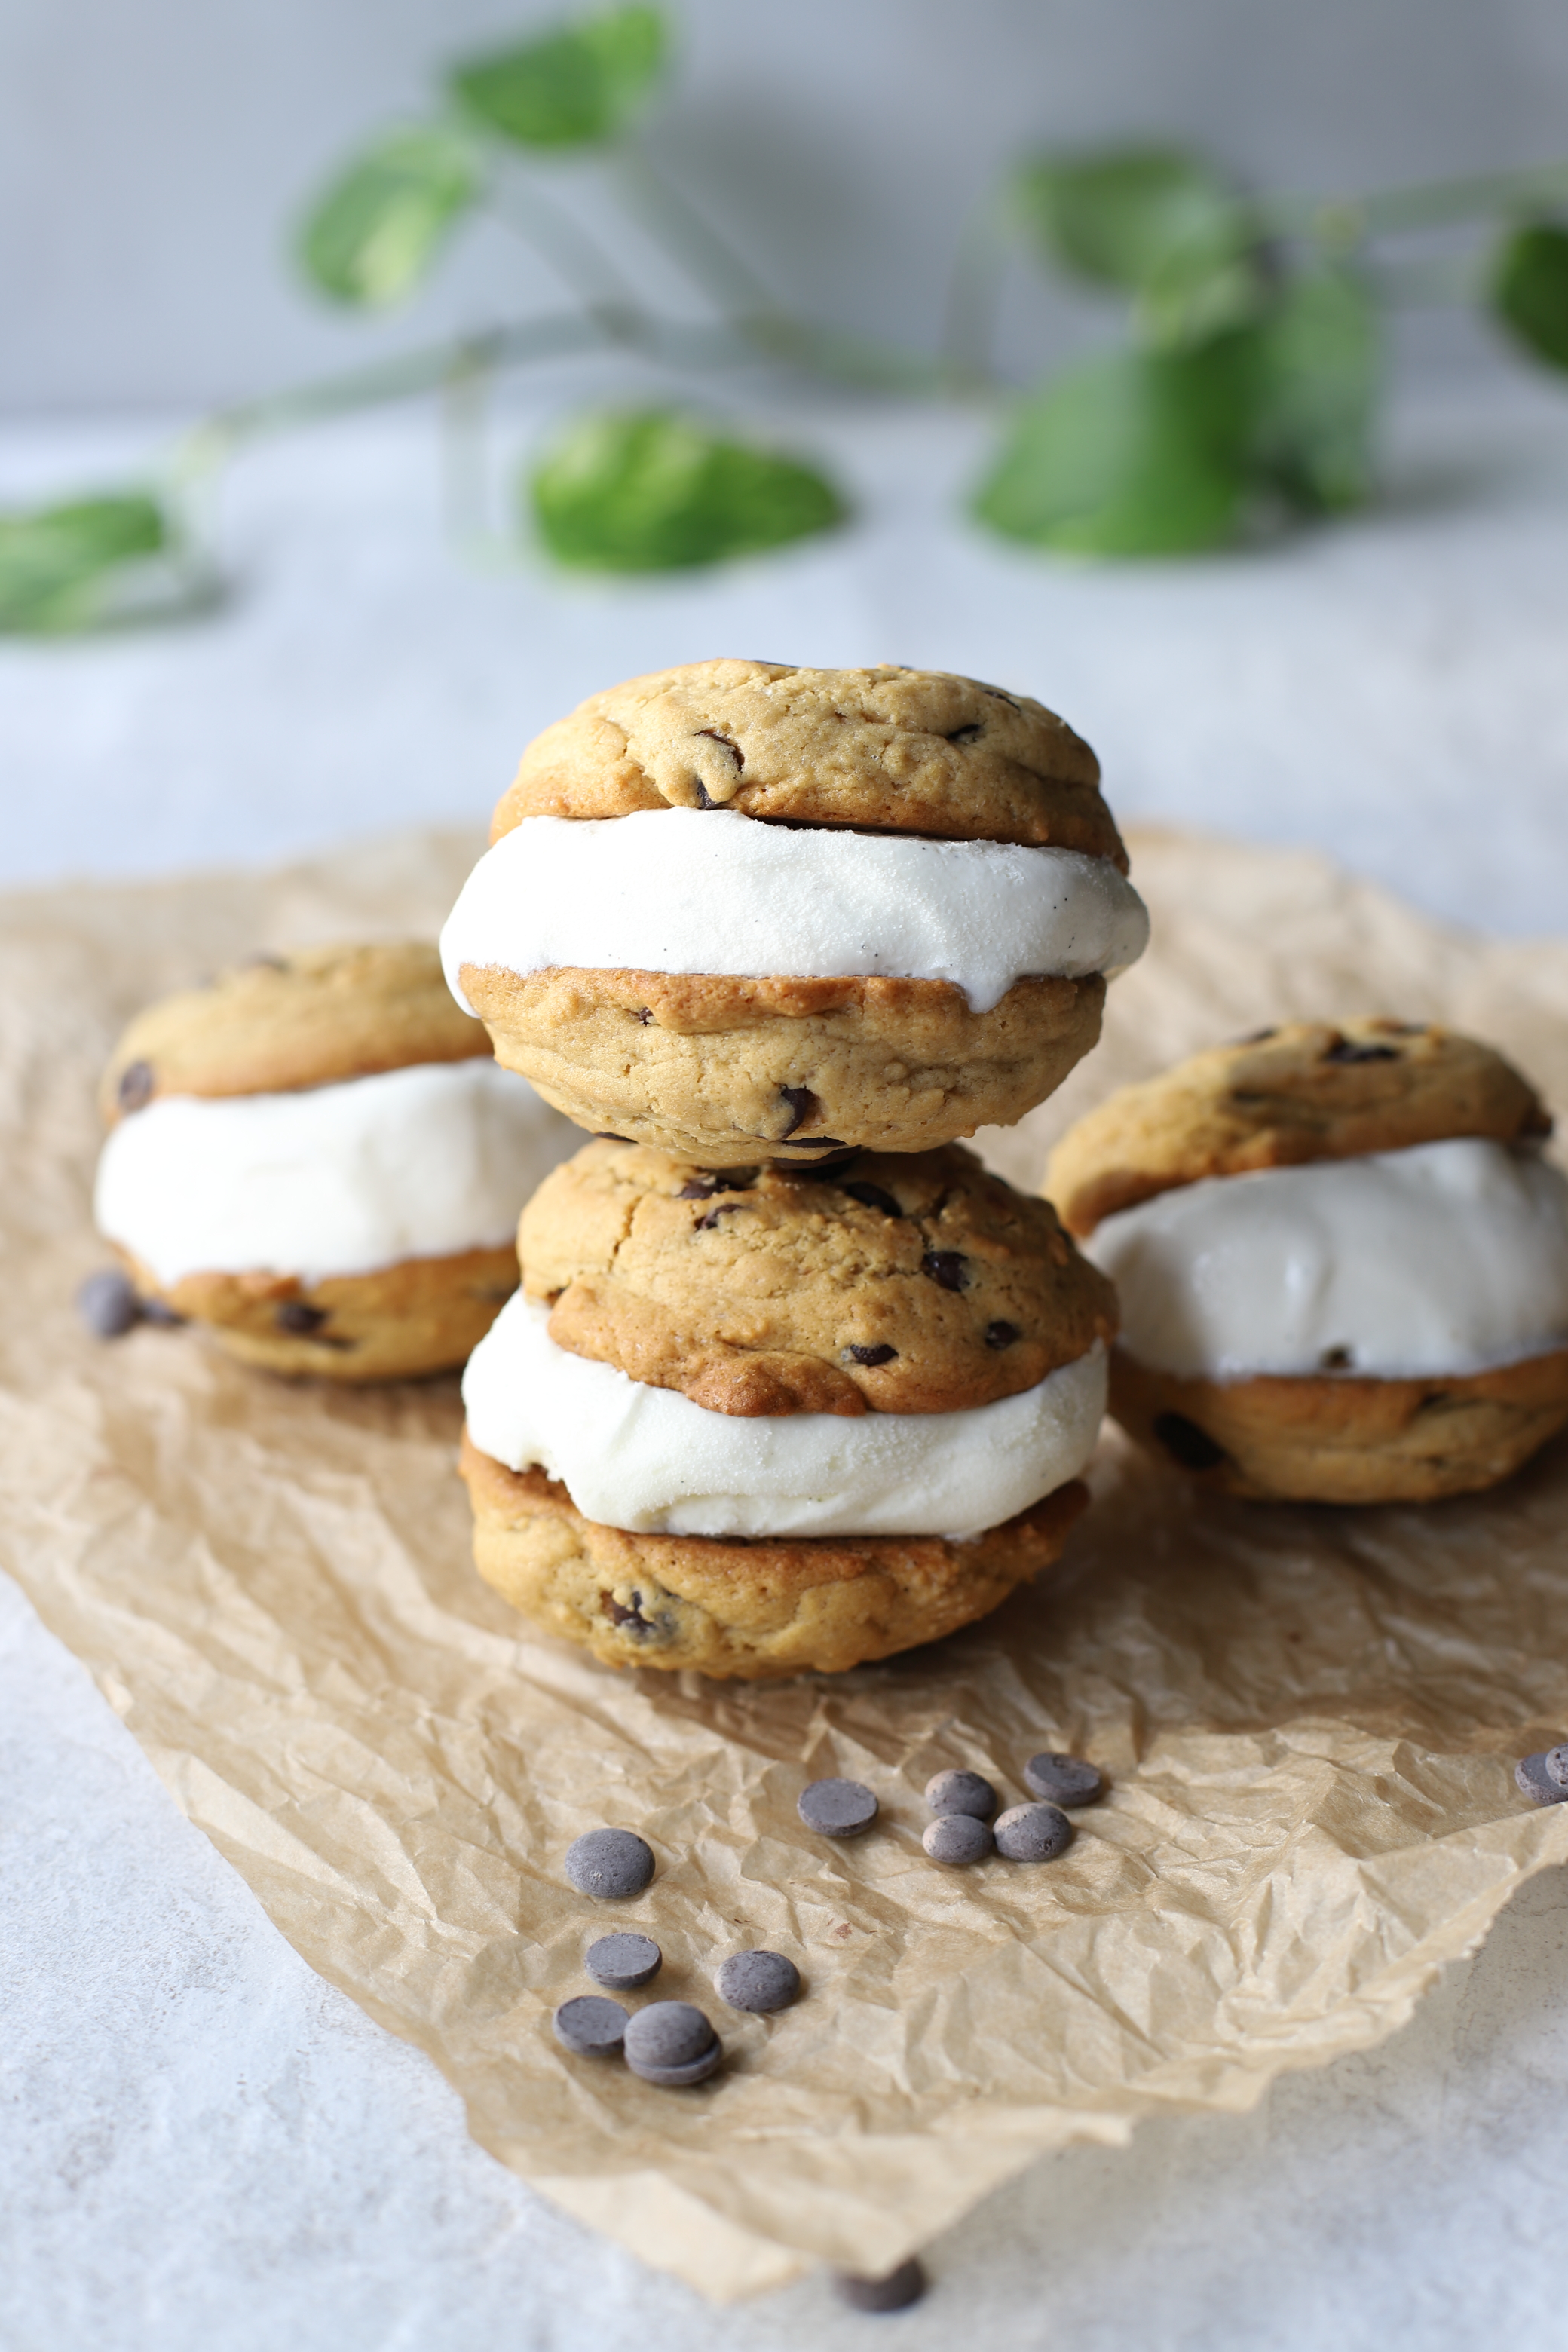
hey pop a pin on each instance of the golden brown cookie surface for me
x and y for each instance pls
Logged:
(902, 751)
(1345, 1440)
(721, 1068)
(1303, 1092)
(915, 1283)
(749, 1611)
(424, 1315)
(305, 1019)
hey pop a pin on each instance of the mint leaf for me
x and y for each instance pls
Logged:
(1528, 290)
(1138, 453)
(375, 230)
(61, 567)
(570, 87)
(650, 490)
(1319, 367)
(1133, 217)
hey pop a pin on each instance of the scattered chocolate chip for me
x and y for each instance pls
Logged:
(1536, 1781)
(108, 1304)
(870, 1357)
(703, 799)
(135, 1087)
(644, 1016)
(837, 1809)
(611, 1865)
(672, 2043)
(1064, 1780)
(758, 1981)
(591, 2025)
(961, 1792)
(894, 2292)
(701, 1188)
(871, 1196)
(1186, 1442)
(1557, 1766)
(724, 1209)
(1342, 1050)
(966, 734)
(1336, 1360)
(733, 749)
(999, 691)
(801, 1103)
(1032, 1833)
(1001, 1335)
(294, 1315)
(624, 1962)
(957, 1839)
(947, 1268)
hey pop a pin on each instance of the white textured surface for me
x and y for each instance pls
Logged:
(649, 1459)
(203, 2149)
(686, 890)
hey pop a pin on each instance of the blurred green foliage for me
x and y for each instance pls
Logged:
(1242, 392)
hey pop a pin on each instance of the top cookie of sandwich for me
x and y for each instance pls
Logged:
(1306, 1091)
(284, 1022)
(900, 1283)
(894, 750)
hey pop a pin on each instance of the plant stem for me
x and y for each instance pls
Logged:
(1346, 221)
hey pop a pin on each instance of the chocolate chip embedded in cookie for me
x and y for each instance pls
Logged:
(894, 1284)
(1309, 1090)
(886, 923)
(911, 751)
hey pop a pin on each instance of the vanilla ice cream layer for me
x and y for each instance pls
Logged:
(419, 1163)
(1449, 1257)
(649, 1460)
(712, 891)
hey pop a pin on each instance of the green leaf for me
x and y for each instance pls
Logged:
(375, 230)
(1133, 216)
(63, 567)
(1138, 453)
(1529, 289)
(653, 491)
(572, 87)
(1320, 369)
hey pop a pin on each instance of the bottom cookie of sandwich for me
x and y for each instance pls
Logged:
(747, 1610)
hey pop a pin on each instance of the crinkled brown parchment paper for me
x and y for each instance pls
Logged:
(1309, 1717)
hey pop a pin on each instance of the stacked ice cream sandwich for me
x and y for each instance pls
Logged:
(792, 1382)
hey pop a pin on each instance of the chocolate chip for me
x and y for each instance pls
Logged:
(837, 1809)
(644, 1016)
(1342, 1050)
(1186, 1442)
(591, 2025)
(1032, 1833)
(894, 2292)
(801, 1103)
(631, 1619)
(1557, 1766)
(1536, 1781)
(759, 1981)
(870, 1357)
(294, 1315)
(703, 799)
(725, 1209)
(961, 1792)
(135, 1086)
(957, 1839)
(611, 1865)
(966, 734)
(108, 1304)
(733, 749)
(871, 1196)
(1001, 1335)
(1336, 1360)
(946, 1268)
(1065, 1779)
(624, 1962)
(671, 2039)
